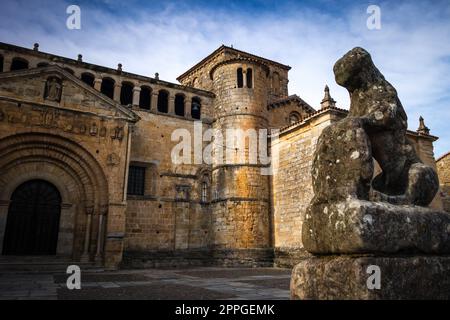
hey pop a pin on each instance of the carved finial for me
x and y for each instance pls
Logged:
(328, 101)
(80, 58)
(157, 76)
(119, 67)
(423, 129)
(36, 47)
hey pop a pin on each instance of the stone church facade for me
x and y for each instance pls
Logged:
(86, 169)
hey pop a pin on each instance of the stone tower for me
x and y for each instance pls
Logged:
(241, 203)
(244, 85)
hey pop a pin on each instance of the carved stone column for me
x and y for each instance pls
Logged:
(117, 89)
(171, 106)
(244, 78)
(4, 206)
(7, 61)
(100, 234)
(136, 96)
(187, 106)
(98, 84)
(87, 235)
(154, 104)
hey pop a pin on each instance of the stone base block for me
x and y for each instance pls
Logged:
(350, 278)
(361, 227)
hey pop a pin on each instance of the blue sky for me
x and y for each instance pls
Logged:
(412, 49)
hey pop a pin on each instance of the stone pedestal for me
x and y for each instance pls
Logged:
(359, 226)
(346, 278)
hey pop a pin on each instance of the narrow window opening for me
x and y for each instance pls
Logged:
(145, 98)
(19, 64)
(179, 105)
(240, 78)
(163, 101)
(249, 78)
(88, 78)
(196, 108)
(107, 87)
(126, 93)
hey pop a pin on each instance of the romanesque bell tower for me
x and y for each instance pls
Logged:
(241, 205)
(243, 85)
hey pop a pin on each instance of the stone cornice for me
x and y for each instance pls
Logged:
(237, 60)
(288, 100)
(222, 49)
(98, 68)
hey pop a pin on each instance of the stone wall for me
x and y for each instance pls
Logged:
(443, 169)
(291, 189)
(165, 218)
(241, 193)
(199, 76)
(291, 184)
(78, 142)
(119, 76)
(281, 116)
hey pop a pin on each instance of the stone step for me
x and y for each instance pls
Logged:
(41, 265)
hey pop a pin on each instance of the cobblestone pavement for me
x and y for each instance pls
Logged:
(153, 284)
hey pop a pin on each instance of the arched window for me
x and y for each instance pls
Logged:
(145, 98)
(107, 87)
(294, 117)
(163, 101)
(179, 105)
(196, 108)
(42, 64)
(1, 63)
(19, 64)
(69, 70)
(88, 78)
(240, 78)
(249, 78)
(205, 192)
(126, 93)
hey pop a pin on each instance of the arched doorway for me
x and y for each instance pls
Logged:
(33, 219)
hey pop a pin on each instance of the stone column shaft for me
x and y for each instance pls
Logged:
(7, 61)
(136, 96)
(171, 106)
(87, 236)
(154, 104)
(99, 254)
(117, 89)
(98, 84)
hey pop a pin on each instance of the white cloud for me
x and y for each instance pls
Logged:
(412, 48)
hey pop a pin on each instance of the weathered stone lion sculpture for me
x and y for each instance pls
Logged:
(351, 211)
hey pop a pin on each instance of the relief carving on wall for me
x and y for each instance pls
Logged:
(51, 118)
(53, 88)
(117, 134)
(93, 130)
(102, 132)
(113, 159)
